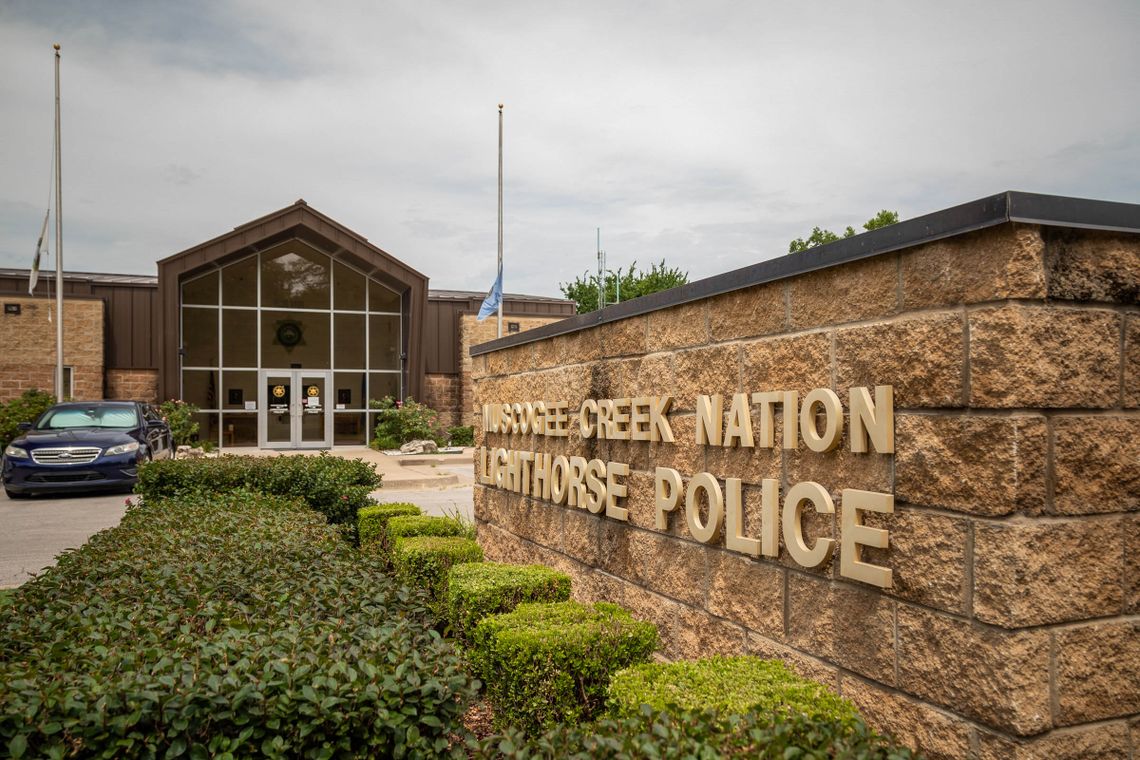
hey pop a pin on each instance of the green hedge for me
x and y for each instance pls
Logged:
(26, 407)
(737, 685)
(336, 487)
(478, 589)
(423, 562)
(551, 663)
(370, 521)
(424, 525)
(696, 735)
(232, 625)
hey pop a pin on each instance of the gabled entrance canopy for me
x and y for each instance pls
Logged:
(296, 222)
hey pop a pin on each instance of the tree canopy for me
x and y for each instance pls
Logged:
(634, 283)
(819, 236)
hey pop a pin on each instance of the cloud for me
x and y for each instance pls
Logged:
(708, 135)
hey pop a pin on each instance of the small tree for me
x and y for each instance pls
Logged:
(820, 236)
(179, 415)
(634, 284)
(25, 408)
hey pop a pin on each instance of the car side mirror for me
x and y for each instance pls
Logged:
(155, 424)
(24, 427)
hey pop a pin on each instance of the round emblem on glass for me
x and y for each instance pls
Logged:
(288, 334)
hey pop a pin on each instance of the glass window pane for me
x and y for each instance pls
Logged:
(381, 298)
(201, 290)
(349, 287)
(349, 388)
(199, 337)
(240, 388)
(349, 429)
(384, 342)
(239, 283)
(200, 388)
(239, 429)
(349, 350)
(291, 339)
(207, 428)
(294, 275)
(239, 338)
(382, 384)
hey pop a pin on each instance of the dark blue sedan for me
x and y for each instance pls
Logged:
(81, 446)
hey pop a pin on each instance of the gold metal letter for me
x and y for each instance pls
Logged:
(738, 428)
(667, 494)
(798, 495)
(615, 489)
(710, 418)
(734, 538)
(875, 420)
(703, 481)
(833, 415)
(854, 534)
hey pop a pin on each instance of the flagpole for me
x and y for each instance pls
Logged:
(59, 389)
(500, 217)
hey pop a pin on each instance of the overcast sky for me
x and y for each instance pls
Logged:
(707, 134)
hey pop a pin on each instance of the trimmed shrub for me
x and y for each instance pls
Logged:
(423, 561)
(424, 525)
(234, 625)
(732, 685)
(179, 415)
(689, 735)
(398, 422)
(478, 589)
(551, 663)
(333, 486)
(370, 521)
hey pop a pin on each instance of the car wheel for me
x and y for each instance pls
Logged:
(16, 494)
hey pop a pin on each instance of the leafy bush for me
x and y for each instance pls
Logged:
(233, 625)
(180, 416)
(735, 685)
(25, 408)
(423, 561)
(478, 589)
(461, 435)
(398, 422)
(370, 521)
(336, 487)
(689, 735)
(551, 663)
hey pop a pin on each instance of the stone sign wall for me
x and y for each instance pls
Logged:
(1007, 623)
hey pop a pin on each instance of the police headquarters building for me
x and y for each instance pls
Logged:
(280, 331)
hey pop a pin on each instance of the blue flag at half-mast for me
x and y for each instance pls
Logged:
(35, 275)
(494, 298)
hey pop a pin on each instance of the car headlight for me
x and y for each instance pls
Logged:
(122, 448)
(15, 452)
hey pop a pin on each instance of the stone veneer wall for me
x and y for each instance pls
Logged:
(1013, 626)
(472, 332)
(133, 384)
(27, 346)
(444, 393)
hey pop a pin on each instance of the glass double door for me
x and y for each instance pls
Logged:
(294, 413)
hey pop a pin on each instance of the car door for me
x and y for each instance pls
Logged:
(157, 432)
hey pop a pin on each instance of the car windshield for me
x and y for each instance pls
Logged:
(94, 416)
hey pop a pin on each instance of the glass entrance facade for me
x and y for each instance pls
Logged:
(287, 308)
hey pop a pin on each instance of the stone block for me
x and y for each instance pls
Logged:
(1086, 265)
(626, 337)
(1107, 741)
(679, 569)
(749, 312)
(685, 633)
(1131, 529)
(537, 521)
(797, 363)
(704, 371)
(1131, 391)
(1095, 464)
(866, 289)
(849, 626)
(927, 556)
(1001, 262)
(678, 327)
(980, 465)
(1047, 572)
(840, 469)
(999, 678)
(578, 347)
(752, 465)
(922, 358)
(1098, 672)
(803, 665)
(936, 734)
(1039, 356)
(746, 592)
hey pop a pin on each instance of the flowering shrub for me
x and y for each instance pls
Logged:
(180, 416)
(30, 405)
(398, 422)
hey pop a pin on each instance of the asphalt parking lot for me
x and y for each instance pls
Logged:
(33, 531)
